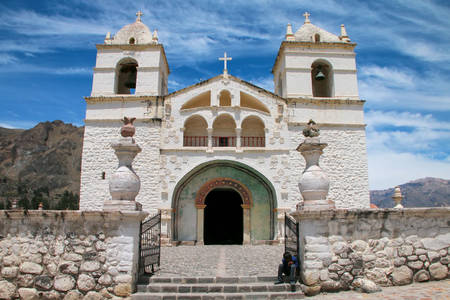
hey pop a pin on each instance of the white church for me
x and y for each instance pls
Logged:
(219, 158)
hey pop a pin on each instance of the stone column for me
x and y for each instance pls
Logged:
(238, 139)
(247, 224)
(210, 132)
(124, 184)
(200, 223)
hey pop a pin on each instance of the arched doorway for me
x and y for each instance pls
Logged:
(223, 220)
(258, 200)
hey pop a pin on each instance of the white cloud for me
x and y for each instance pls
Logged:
(396, 118)
(388, 76)
(24, 124)
(388, 168)
(404, 89)
(404, 146)
(7, 59)
(27, 68)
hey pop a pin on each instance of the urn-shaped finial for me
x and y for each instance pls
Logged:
(124, 183)
(397, 197)
(128, 128)
(314, 184)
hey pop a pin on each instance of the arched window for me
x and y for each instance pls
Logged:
(126, 75)
(225, 98)
(132, 41)
(195, 132)
(253, 134)
(317, 38)
(224, 131)
(322, 79)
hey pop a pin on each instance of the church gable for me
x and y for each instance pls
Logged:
(223, 111)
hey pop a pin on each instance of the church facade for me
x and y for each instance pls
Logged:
(219, 158)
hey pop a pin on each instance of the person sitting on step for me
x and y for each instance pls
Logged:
(289, 267)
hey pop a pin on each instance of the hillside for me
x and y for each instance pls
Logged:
(425, 192)
(42, 162)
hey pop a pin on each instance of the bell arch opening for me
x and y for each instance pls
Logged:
(256, 194)
(126, 76)
(322, 79)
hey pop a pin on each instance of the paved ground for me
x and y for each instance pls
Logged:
(236, 260)
(216, 260)
(433, 290)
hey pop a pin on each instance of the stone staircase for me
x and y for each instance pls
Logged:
(242, 287)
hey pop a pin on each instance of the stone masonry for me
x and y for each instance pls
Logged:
(388, 247)
(68, 255)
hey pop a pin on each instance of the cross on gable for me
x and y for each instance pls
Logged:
(306, 15)
(225, 59)
(139, 14)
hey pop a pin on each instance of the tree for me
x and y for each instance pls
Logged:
(68, 200)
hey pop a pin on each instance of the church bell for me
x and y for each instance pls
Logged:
(319, 76)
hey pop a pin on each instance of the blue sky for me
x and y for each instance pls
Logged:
(47, 52)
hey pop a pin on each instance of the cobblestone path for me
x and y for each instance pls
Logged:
(218, 260)
(432, 290)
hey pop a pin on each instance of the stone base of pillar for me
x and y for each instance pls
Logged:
(121, 205)
(318, 205)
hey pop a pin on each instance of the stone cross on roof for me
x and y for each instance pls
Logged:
(139, 14)
(225, 59)
(306, 15)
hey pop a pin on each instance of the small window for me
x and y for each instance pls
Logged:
(103, 175)
(132, 41)
(317, 38)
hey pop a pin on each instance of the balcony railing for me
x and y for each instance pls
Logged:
(224, 141)
(195, 141)
(253, 141)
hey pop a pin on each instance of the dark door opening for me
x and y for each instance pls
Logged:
(223, 223)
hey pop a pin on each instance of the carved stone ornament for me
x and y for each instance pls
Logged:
(314, 184)
(312, 130)
(128, 128)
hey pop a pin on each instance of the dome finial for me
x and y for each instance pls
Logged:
(306, 15)
(344, 35)
(139, 14)
(289, 33)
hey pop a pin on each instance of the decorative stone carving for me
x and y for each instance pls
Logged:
(314, 184)
(124, 184)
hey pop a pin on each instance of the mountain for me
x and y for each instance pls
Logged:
(425, 192)
(41, 162)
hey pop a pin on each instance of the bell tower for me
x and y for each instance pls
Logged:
(132, 62)
(315, 63)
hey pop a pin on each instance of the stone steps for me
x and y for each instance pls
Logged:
(244, 287)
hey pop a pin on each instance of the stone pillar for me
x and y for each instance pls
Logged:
(238, 139)
(210, 132)
(124, 184)
(314, 184)
(166, 225)
(246, 219)
(200, 223)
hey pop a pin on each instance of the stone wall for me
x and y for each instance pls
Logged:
(388, 247)
(99, 157)
(68, 255)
